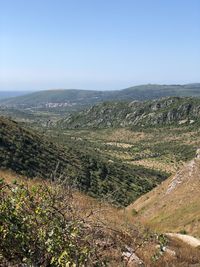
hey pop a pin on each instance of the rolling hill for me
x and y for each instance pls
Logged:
(174, 205)
(29, 153)
(55, 98)
(78, 99)
(165, 111)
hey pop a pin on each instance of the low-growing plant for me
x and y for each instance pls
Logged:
(40, 227)
(183, 232)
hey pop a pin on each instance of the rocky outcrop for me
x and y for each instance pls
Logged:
(131, 258)
(166, 111)
(198, 153)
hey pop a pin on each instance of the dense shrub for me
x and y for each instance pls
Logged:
(40, 227)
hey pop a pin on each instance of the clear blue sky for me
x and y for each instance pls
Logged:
(98, 44)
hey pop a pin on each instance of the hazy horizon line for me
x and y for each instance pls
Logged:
(85, 89)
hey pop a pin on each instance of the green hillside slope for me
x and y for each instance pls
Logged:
(165, 111)
(29, 153)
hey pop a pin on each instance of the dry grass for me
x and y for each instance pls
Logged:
(174, 211)
(119, 144)
(120, 225)
(184, 252)
(116, 135)
(10, 176)
(157, 165)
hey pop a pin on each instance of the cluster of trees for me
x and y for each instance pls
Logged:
(119, 183)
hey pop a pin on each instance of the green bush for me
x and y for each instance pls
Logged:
(39, 227)
(183, 232)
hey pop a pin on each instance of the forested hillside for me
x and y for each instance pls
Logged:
(34, 155)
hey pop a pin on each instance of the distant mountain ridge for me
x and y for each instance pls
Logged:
(74, 99)
(163, 111)
(9, 94)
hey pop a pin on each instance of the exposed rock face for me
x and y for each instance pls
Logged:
(198, 153)
(166, 111)
(179, 178)
(132, 259)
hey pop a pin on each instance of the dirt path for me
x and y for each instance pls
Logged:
(190, 240)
